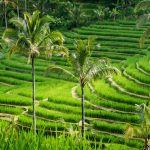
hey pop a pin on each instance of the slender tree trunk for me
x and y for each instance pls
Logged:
(5, 11)
(18, 12)
(82, 105)
(33, 96)
(42, 7)
(114, 17)
(25, 5)
(145, 143)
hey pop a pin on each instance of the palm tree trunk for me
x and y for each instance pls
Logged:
(145, 143)
(82, 105)
(25, 5)
(18, 12)
(33, 96)
(43, 7)
(5, 11)
(117, 2)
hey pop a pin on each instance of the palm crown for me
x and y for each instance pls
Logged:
(83, 67)
(34, 35)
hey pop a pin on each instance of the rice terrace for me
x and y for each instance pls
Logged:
(74, 75)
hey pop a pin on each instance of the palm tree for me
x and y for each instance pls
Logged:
(84, 70)
(144, 129)
(99, 13)
(76, 14)
(114, 13)
(143, 5)
(33, 37)
(5, 3)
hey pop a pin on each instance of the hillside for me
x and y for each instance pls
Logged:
(108, 110)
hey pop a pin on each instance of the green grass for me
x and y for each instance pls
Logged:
(107, 110)
(109, 127)
(107, 103)
(131, 86)
(11, 81)
(20, 76)
(56, 115)
(10, 110)
(144, 64)
(4, 87)
(26, 121)
(110, 93)
(132, 71)
(14, 100)
(108, 32)
(60, 107)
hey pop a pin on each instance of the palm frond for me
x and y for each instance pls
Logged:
(28, 21)
(83, 49)
(60, 51)
(56, 68)
(46, 19)
(23, 41)
(13, 49)
(10, 36)
(129, 133)
(99, 69)
(143, 5)
(132, 131)
(57, 37)
(17, 22)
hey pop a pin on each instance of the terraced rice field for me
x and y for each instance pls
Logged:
(108, 110)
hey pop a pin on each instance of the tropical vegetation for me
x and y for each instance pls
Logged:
(69, 51)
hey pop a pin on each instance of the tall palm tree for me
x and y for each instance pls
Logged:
(84, 70)
(144, 129)
(143, 19)
(33, 37)
(5, 4)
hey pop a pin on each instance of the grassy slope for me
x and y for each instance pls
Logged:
(107, 110)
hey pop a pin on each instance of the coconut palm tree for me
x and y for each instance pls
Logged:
(76, 14)
(33, 37)
(143, 19)
(144, 129)
(5, 4)
(84, 70)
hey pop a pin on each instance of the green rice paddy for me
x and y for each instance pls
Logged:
(108, 109)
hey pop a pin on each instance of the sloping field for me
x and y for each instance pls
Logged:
(108, 110)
